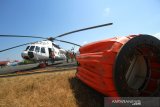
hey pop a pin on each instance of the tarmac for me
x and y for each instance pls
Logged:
(59, 66)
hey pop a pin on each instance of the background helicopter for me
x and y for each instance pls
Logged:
(42, 51)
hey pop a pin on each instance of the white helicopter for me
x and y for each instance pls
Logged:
(42, 51)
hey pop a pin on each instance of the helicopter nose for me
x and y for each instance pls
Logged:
(30, 54)
(24, 55)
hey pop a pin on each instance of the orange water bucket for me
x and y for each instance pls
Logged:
(123, 66)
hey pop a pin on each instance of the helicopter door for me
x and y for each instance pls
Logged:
(37, 50)
(50, 52)
(43, 52)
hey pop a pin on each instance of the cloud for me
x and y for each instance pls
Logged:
(107, 11)
(85, 42)
(157, 35)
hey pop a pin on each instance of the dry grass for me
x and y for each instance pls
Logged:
(57, 89)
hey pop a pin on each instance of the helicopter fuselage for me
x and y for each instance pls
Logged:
(43, 51)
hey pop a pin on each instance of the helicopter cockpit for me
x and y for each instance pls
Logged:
(33, 52)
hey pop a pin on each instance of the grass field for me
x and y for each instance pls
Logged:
(56, 89)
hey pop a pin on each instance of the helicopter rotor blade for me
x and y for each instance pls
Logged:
(64, 34)
(22, 36)
(83, 29)
(67, 42)
(52, 38)
(35, 42)
(16, 46)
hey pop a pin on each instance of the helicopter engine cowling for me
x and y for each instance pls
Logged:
(121, 66)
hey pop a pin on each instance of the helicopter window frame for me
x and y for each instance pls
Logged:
(43, 50)
(37, 49)
(31, 48)
(27, 48)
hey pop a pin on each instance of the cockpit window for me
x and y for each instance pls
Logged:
(43, 50)
(37, 49)
(27, 48)
(32, 48)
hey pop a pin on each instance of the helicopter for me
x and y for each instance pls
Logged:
(45, 50)
(126, 66)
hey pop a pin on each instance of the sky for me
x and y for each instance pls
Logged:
(49, 18)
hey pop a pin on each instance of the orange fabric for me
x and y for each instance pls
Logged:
(96, 64)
